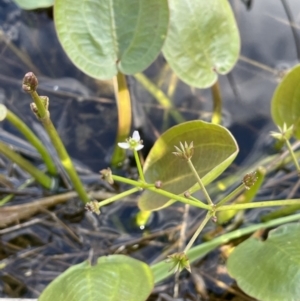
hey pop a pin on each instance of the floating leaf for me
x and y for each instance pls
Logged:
(214, 150)
(34, 4)
(103, 37)
(269, 270)
(285, 106)
(113, 278)
(203, 40)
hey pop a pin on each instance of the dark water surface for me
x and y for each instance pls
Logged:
(84, 112)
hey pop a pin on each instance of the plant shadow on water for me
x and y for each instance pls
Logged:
(84, 111)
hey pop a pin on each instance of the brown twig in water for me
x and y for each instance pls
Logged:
(13, 214)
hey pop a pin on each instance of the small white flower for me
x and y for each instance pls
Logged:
(134, 142)
(124, 145)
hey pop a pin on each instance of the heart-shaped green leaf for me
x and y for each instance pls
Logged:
(104, 36)
(113, 278)
(203, 40)
(285, 106)
(214, 150)
(34, 4)
(269, 270)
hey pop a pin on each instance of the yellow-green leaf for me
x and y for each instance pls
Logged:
(103, 37)
(34, 4)
(214, 150)
(113, 278)
(285, 106)
(269, 270)
(203, 40)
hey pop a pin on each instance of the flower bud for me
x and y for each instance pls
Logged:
(186, 151)
(249, 179)
(30, 82)
(187, 194)
(93, 206)
(158, 184)
(179, 262)
(106, 175)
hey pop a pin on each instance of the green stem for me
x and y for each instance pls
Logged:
(39, 176)
(292, 155)
(32, 138)
(231, 195)
(284, 211)
(196, 234)
(162, 192)
(40, 105)
(179, 198)
(44, 117)
(138, 164)
(10, 196)
(139, 184)
(217, 101)
(160, 96)
(259, 205)
(194, 199)
(119, 196)
(191, 165)
(123, 102)
(161, 270)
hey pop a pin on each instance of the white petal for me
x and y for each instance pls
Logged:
(140, 146)
(124, 145)
(136, 136)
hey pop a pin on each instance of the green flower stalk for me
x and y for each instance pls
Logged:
(231, 195)
(30, 136)
(94, 206)
(273, 203)
(40, 109)
(191, 165)
(9, 197)
(186, 152)
(135, 144)
(124, 110)
(39, 176)
(158, 190)
(217, 103)
(285, 135)
(198, 231)
(160, 96)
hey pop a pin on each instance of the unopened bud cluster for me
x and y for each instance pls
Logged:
(179, 262)
(106, 175)
(249, 179)
(93, 206)
(284, 132)
(185, 151)
(30, 82)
